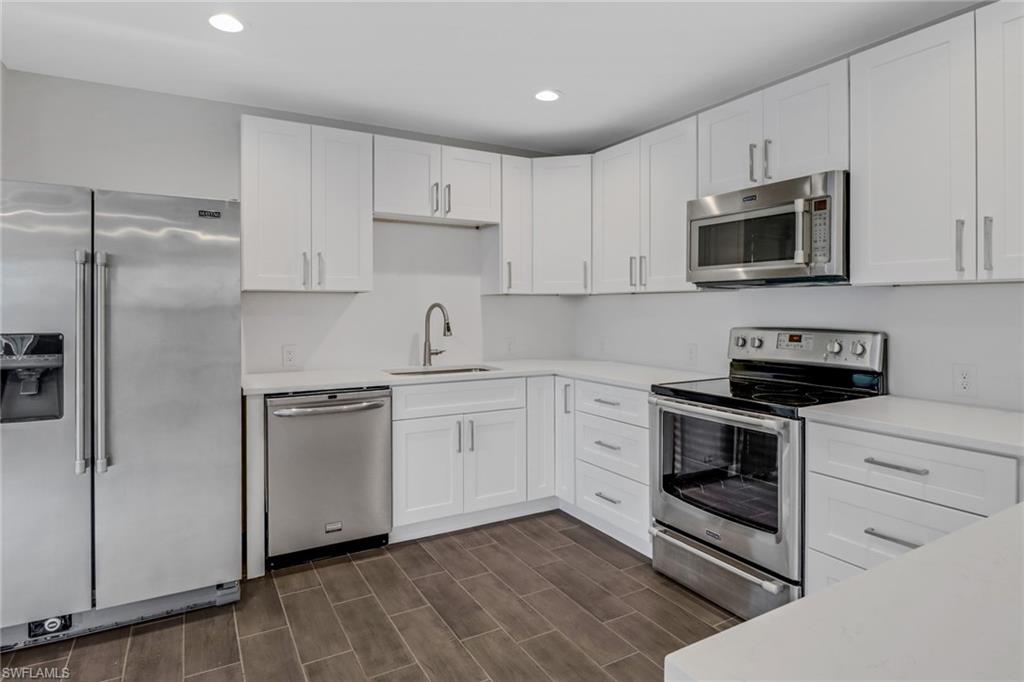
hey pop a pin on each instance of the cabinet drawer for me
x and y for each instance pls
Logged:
(621, 448)
(621, 404)
(963, 479)
(866, 527)
(616, 499)
(822, 571)
(457, 397)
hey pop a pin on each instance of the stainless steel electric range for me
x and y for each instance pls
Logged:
(727, 460)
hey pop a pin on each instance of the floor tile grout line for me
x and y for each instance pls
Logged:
(127, 651)
(263, 632)
(238, 640)
(291, 635)
(210, 670)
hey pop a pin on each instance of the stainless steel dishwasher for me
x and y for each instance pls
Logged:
(328, 473)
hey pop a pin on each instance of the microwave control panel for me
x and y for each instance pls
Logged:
(821, 230)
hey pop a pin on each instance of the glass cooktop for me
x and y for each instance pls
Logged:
(759, 395)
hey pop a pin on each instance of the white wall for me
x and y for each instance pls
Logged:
(930, 329)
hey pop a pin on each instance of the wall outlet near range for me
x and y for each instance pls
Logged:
(289, 356)
(965, 380)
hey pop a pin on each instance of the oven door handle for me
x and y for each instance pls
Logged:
(768, 424)
(770, 586)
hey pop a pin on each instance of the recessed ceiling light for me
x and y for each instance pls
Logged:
(226, 23)
(548, 95)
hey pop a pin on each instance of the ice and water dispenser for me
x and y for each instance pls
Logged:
(31, 377)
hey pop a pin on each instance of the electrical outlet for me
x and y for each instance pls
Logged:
(965, 382)
(509, 344)
(604, 344)
(691, 355)
(289, 356)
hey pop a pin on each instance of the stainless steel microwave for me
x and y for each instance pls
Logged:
(789, 232)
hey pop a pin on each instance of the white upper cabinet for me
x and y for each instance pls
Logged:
(276, 240)
(795, 128)
(806, 124)
(516, 258)
(668, 179)
(912, 158)
(730, 138)
(561, 224)
(616, 230)
(1000, 44)
(472, 185)
(406, 177)
(424, 181)
(342, 211)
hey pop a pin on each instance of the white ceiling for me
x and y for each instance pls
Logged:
(461, 70)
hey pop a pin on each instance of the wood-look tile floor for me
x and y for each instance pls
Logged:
(538, 598)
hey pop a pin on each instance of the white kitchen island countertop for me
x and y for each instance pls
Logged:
(965, 426)
(616, 373)
(951, 610)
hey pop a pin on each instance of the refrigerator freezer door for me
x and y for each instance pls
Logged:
(44, 497)
(168, 505)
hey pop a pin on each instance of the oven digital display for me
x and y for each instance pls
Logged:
(794, 341)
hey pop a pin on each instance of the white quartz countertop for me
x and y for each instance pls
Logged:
(976, 428)
(616, 373)
(951, 610)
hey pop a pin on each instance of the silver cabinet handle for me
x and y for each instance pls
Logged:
(328, 409)
(81, 258)
(769, 586)
(643, 271)
(897, 467)
(890, 538)
(960, 245)
(472, 436)
(632, 271)
(100, 363)
(447, 199)
(987, 222)
(320, 269)
(751, 149)
(508, 269)
(305, 270)
(610, 403)
(565, 399)
(435, 200)
(607, 498)
(458, 429)
(607, 446)
(585, 278)
(764, 167)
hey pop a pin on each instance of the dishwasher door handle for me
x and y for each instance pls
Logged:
(328, 409)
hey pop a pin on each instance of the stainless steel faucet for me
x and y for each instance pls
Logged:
(428, 352)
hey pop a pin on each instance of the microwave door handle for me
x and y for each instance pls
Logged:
(800, 225)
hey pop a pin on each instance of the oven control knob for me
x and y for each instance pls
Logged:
(834, 347)
(756, 342)
(858, 348)
(741, 341)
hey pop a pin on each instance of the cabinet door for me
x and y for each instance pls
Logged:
(1000, 41)
(561, 224)
(472, 185)
(540, 437)
(516, 225)
(616, 233)
(495, 459)
(275, 205)
(730, 138)
(342, 210)
(565, 428)
(668, 179)
(427, 468)
(912, 173)
(406, 178)
(807, 124)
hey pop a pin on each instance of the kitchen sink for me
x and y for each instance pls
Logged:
(461, 369)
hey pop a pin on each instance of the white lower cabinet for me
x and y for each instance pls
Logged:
(620, 448)
(540, 437)
(494, 461)
(427, 469)
(616, 499)
(822, 571)
(565, 430)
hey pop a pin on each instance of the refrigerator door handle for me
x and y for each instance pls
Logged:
(101, 361)
(81, 258)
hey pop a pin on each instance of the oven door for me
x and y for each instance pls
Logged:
(763, 244)
(730, 479)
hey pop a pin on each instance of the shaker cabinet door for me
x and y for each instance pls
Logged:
(472, 185)
(730, 138)
(406, 178)
(616, 230)
(495, 459)
(561, 224)
(427, 468)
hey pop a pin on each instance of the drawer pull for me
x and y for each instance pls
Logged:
(607, 498)
(889, 538)
(897, 467)
(606, 446)
(610, 403)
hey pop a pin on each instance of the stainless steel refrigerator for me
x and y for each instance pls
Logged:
(120, 419)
